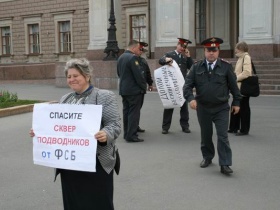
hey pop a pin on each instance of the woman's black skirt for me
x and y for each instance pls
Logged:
(87, 190)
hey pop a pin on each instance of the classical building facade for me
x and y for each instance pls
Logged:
(49, 32)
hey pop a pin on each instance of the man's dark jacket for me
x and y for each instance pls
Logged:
(147, 71)
(184, 62)
(212, 88)
(131, 74)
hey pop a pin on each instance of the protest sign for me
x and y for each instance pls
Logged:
(169, 82)
(64, 135)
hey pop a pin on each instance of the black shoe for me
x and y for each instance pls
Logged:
(164, 131)
(205, 163)
(135, 140)
(232, 131)
(135, 135)
(186, 130)
(241, 134)
(140, 130)
(226, 170)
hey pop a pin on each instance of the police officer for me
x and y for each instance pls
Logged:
(147, 74)
(213, 78)
(182, 57)
(132, 86)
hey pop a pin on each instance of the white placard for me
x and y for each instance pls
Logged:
(64, 135)
(169, 82)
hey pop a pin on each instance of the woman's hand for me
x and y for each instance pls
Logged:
(101, 136)
(31, 133)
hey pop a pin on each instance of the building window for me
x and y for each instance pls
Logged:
(64, 37)
(64, 46)
(34, 39)
(5, 40)
(200, 20)
(138, 28)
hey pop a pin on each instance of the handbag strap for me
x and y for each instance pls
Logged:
(252, 65)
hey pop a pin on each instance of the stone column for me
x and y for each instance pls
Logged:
(99, 11)
(173, 20)
(188, 21)
(276, 27)
(169, 19)
(256, 27)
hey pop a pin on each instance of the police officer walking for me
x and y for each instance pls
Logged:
(132, 86)
(182, 57)
(213, 79)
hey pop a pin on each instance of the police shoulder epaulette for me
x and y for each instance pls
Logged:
(225, 61)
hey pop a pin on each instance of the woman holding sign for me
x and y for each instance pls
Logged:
(91, 190)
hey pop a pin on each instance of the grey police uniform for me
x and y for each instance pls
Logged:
(212, 95)
(184, 63)
(132, 86)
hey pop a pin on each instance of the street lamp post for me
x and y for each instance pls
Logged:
(112, 48)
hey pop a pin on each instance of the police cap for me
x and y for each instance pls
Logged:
(212, 43)
(142, 45)
(184, 42)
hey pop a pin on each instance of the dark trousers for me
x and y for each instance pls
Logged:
(220, 117)
(184, 117)
(142, 102)
(131, 115)
(243, 117)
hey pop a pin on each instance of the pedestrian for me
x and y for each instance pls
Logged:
(91, 190)
(213, 78)
(132, 87)
(183, 58)
(147, 74)
(243, 69)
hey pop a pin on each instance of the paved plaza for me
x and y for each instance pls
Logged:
(162, 173)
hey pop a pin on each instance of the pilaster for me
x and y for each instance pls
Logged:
(169, 19)
(98, 15)
(256, 27)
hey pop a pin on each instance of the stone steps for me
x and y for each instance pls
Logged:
(270, 87)
(270, 81)
(270, 92)
(269, 75)
(267, 67)
(268, 71)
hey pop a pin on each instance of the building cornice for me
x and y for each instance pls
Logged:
(62, 12)
(134, 5)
